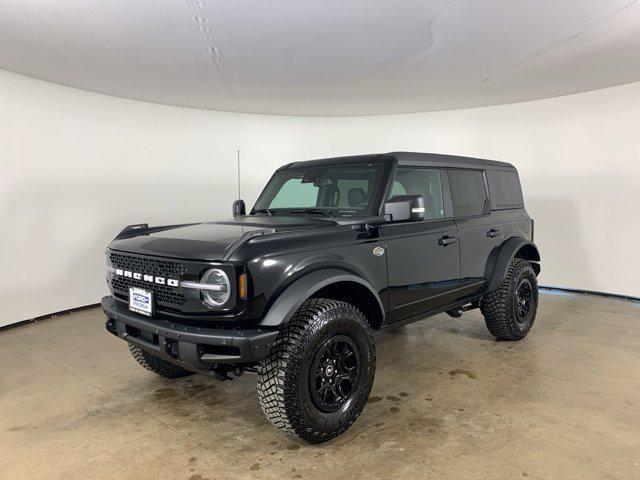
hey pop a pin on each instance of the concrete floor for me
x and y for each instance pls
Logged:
(448, 402)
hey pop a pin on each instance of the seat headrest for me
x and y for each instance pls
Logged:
(356, 197)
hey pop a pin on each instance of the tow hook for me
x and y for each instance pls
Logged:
(171, 347)
(222, 373)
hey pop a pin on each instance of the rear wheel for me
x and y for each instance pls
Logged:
(157, 365)
(510, 310)
(317, 377)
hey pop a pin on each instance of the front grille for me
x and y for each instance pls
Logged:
(149, 266)
(162, 293)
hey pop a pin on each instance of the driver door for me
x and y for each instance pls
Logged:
(423, 257)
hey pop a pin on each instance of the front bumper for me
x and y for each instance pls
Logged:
(193, 348)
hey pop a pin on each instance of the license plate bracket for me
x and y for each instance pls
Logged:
(141, 301)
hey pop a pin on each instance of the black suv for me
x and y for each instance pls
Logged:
(333, 250)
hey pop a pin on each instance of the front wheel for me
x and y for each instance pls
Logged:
(510, 310)
(157, 365)
(317, 377)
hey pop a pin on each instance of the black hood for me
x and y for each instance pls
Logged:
(210, 240)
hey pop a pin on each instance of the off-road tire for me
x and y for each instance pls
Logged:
(499, 306)
(284, 385)
(157, 365)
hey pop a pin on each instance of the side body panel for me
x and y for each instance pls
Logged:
(482, 237)
(476, 245)
(274, 262)
(515, 223)
(306, 286)
(423, 273)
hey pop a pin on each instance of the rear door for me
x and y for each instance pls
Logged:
(423, 258)
(479, 228)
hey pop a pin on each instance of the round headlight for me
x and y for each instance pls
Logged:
(215, 288)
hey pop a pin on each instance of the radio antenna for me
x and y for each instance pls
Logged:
(239, 197)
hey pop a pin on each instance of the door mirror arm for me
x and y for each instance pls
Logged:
(370, 225)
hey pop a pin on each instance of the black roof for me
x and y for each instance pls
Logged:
(405, 158)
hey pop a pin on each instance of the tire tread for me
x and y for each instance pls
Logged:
(157, 365)
(495, 305)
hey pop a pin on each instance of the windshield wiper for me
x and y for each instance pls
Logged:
(324, 211)
(268, 211)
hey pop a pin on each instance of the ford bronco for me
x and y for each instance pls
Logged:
(332, 251)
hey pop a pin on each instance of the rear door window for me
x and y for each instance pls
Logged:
(468, 191)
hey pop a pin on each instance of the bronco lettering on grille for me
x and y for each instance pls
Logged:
(147, 278)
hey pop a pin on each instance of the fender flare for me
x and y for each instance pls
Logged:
(304, 287)
(505, 255)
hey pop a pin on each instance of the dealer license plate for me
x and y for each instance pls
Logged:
(141, 301)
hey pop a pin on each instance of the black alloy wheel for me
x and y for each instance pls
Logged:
(335, 373)
(522, 299)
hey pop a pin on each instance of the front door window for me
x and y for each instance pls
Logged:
(420, 181)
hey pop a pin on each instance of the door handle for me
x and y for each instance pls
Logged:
(447, 240)
(494, 232)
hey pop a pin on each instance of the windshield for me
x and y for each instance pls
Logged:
(339, 190)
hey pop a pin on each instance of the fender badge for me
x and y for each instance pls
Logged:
(378, 251)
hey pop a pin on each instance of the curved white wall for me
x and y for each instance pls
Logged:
(76, 166)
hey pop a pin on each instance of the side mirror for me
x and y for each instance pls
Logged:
(238, 208)
(405, 207)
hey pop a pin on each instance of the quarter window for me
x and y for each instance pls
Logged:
(468, 191)
(505, 188)
(420, 181)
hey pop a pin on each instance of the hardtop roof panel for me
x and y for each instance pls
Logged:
(404, 158)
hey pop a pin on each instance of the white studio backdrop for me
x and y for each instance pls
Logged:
(75, 167)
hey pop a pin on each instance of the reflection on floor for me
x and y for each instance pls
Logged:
(448, 402)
